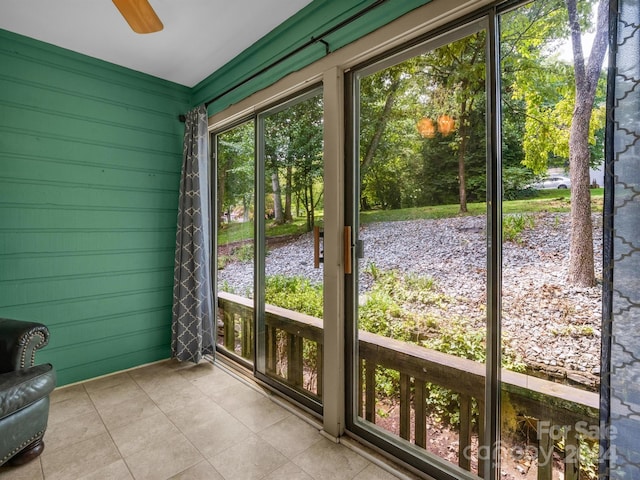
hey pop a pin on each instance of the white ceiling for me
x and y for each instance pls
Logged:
(199, 36)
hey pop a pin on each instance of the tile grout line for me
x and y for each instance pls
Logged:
(164, 414)
(107, 428)
(204, 457)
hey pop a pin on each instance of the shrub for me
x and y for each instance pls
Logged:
(515, 181)
(514, 225)
(294, 293)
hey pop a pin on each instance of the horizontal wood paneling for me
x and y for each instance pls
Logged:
(90, 158)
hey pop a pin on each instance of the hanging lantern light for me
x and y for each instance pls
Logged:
(446, 124)
(426, 128)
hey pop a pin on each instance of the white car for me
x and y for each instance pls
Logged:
(555, 181)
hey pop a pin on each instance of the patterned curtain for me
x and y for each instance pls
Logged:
(620, 398)
(192, 325)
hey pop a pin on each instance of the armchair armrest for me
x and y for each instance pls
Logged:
(25, 386)
(18, 343)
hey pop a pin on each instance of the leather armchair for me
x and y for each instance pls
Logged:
(24, 391)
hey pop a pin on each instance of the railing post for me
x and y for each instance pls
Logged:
(405, 406)
(370, 391)
(319, 372)
(294, 359)
(229, 330)
(571, 455)
(271, 350)
(246, 343)
(420, 407)
(464, 437)
(545, 453)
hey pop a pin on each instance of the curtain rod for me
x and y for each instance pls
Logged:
(312, 41)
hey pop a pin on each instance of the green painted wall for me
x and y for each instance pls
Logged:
(311, 21)
(90, 158)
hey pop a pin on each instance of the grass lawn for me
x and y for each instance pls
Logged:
(234, 232)
(543, 201)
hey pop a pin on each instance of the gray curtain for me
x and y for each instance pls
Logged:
(192, 325)
(620, 386)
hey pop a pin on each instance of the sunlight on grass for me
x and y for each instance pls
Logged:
(544, 201)
(236, 231)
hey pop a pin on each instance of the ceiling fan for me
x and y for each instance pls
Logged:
(139, 15)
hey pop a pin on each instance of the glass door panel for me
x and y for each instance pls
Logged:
(235, 174)
(419, 286)
(550, 323)
(291, 305)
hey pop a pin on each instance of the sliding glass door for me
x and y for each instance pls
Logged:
(475, 202)
(289, 276)
(234, 152)
(419, 284)
(269, 199)
(552, 246)
(472, 328)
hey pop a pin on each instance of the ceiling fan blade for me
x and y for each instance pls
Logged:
(139, 15)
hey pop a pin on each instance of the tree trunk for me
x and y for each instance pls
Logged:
(462, 152)
(462, 181)
(311, 215)
(277, 200)
(221, 193)
(219, 198)
(245, 208)
(380, 126)
(581, 265)
(287, 195)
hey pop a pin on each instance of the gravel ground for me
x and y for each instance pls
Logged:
(553, 326)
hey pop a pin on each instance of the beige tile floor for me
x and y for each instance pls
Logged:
(180, 421)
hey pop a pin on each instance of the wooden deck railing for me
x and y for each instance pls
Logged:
(559, 413)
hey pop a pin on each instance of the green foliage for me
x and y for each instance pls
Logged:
(381, 314)
(514, 224)
(588, 455)
(294, 293)
(234, 232)
(223, 261)
(294, 159)
(241, 253)
(542, 201)
(458, 337)
(225, 287)
(541, 87)
(514, 182)
(388, 309)
(235, 167)
(300, 295)
(244, 253)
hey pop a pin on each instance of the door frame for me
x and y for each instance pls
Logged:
(488, 18)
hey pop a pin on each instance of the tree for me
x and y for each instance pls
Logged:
(560, 118)
(381, 96)
(458, 73)
(293, 155)
(235, 161)
(581, 268)
(398, 169)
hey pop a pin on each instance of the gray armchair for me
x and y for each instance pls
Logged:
(24, 391)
